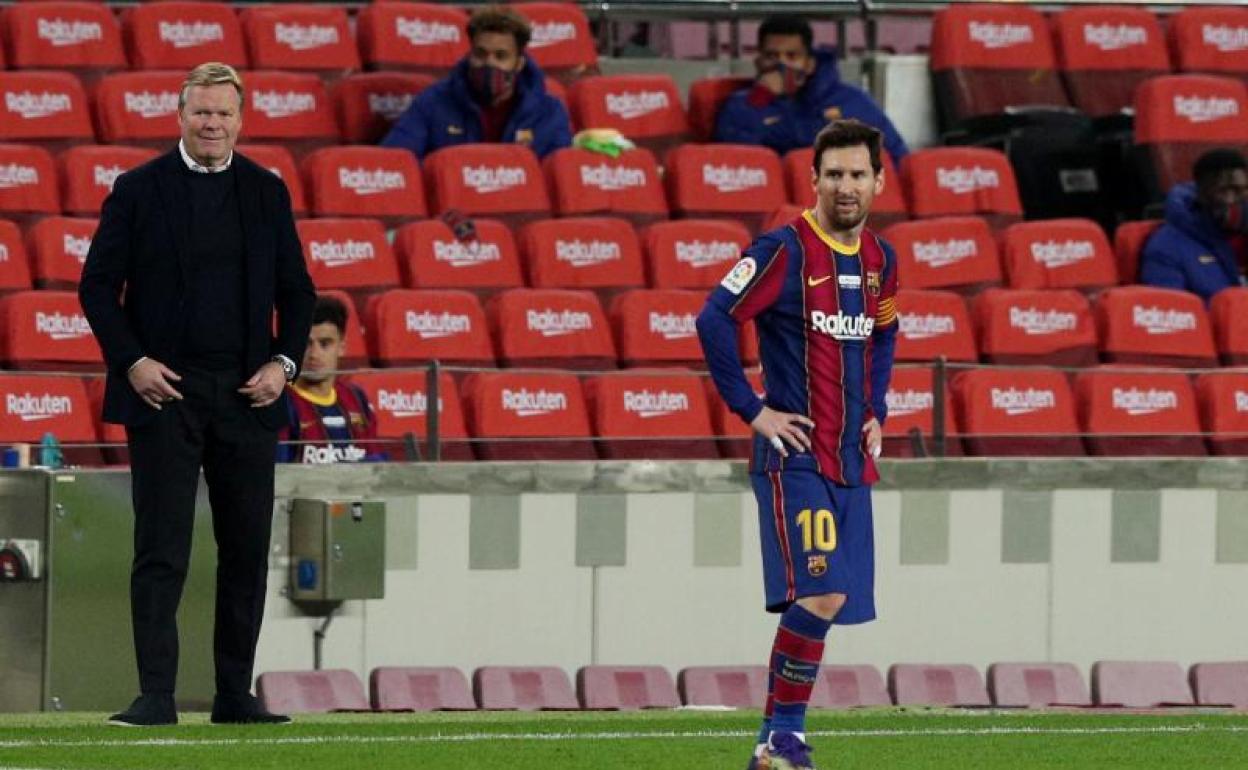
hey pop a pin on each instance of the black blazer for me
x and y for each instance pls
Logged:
(133, 290)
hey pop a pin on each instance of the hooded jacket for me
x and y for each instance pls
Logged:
(1189, 251)
(445, 114)
(787, 123)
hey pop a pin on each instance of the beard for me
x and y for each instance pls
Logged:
(850, 221)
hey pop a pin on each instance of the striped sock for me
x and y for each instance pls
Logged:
(795, 659)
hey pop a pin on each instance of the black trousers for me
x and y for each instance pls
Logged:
(213, 427)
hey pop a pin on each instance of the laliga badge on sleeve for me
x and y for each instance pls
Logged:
(739, 276)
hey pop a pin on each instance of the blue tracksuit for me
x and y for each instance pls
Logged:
(1189, 251)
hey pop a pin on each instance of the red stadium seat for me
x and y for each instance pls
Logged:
(278, 159)
(987, 58)
(644, 108)
(181, 34)
(1106, 52)
(1017, 412)
(431, 257)
(937, 685)
(933, 324)
(565, 329)
(706, 96)
(693, 253)
(1227, 311)
(734, 436)
(650, 416)
(35, 406)
(311, 692)
(14, 267)
(109, 433)
(1213, 40)
(47, 331)
(945, 253)
(28, 182)
(1180, 117)
(1159, 327)
(63, 36)
(626, 688)
(425, 37)
(58, 249)
(1037, 685)
(139, 108)
(1017, 326)
(910, 429)
(1129, 240)
(585, 183)
(504, 181)
(736, 686)
(400, 402)
(562, 43)
(294, 36)
(356, 354)
(1220, 684)
(528, 416)
(582, 253)
(841, 687)
(951, 181)
(889, 206)
(360, 181)
(523, 688)
(291, 108)
(724, 181)
(88, 172)
(368, 103)
(655, 327)
(1058, 254)
(1223, 398)
(413, 326)
(45, 107)
(781, 216)
(426, 688)
(1132, 413)
(1137, 684)
(349, 254)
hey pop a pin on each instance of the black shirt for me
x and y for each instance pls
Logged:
(215, 331)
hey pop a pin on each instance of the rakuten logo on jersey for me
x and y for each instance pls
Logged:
(470, 254)
(580, 253)
(533, 403)
(841, 326)
(106, 176)
(701, 254)
(612, 178)
(1015, 401)
(1052, 254)
(1036, 322)
(436, 325)
(32, 106)
(275, 105)
(552, 33)
(328, 455)
(1200, 109)
(630, 105)
(365, 182)
(1224, 37)
(925, 327)
(402, 404)
(909, 401)
(647, 403)
(60, 327)
(961, 180)
(673, 326)
(939, 254)
(556, 323)
(491, 180)
(1114, 37)
(305, 37)
(989, 34)
(421, 33)
(341, 253)
(1136, 402)
(726, 179)
(389, 106)
(31, 408)
(150, 105)
(61, 33)
(1241, 401)
(190, 34)
(76, 247)
(13, 175)
(1155, 320)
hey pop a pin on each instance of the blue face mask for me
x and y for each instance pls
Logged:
(1232, 218)
(490, 84)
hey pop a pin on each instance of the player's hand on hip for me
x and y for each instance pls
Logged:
(873, 436)
(266, 385)
(152, 380)
(783, 428)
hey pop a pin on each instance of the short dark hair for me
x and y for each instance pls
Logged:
(1214, 162)
(330, 310)
(500, 18)
(849, 133)
(787, 25)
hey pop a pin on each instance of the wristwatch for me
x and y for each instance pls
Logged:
(288, 366)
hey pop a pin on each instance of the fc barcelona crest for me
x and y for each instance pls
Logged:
(873, 284)
(817, 564)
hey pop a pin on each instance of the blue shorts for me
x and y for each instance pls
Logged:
(817, 538)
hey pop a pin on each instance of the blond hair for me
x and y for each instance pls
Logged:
(211, 74)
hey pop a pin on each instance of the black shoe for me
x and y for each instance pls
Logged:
(147, 711)
(243, 710)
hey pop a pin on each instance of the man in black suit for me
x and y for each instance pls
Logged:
(194, 253)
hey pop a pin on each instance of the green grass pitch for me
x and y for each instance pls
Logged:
(680, 740)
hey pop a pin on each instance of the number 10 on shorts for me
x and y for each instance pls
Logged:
(818, 529)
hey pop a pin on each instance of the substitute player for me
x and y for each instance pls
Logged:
(821, 292)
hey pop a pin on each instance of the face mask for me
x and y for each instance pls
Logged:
(1232, 218)
(793, 78)
(490, 84)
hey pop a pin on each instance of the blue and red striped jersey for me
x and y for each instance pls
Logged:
(826, 323)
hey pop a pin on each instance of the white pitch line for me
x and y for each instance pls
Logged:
(614, 736)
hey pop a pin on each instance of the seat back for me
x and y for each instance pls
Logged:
(424, 37)
(956, 253)
(432, 257)
(582, 182)
(706, 96)
(735, 437)
(740, 182)
(645, 108)
(1227, 311)
(36, 405)
(349, 254)
(562, 328)
(58, 249)
(181, 34)
(139, 108)
(527, 416)
(1223, 398)
(657, 327)
(14, 266)
(911, 401)
(1132, 413)
(952, 181)
(28, 182)
(1211, 39)
(562, 43)
(63, 36)
(693, 253)
(1020, 326)
(369, 103)
(278, 160)
(650, 416)
(504, 181)
(299, 37)
(400, 403)
(412, 326)
(362, 181)
(291, 108)
(1160, 327)
(1180, 117)
(88, 172)
(582, 253)
(46, 107)
(1129, 240)
(1058, 254)
(47, 331)
(1106, 52)
(932, 324)
(1016, 412)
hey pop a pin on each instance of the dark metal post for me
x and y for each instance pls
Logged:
(433, 414)
(938, 408)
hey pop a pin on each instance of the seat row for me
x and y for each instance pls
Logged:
(1115, 684)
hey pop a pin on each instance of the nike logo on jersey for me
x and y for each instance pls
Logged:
(812, 281)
